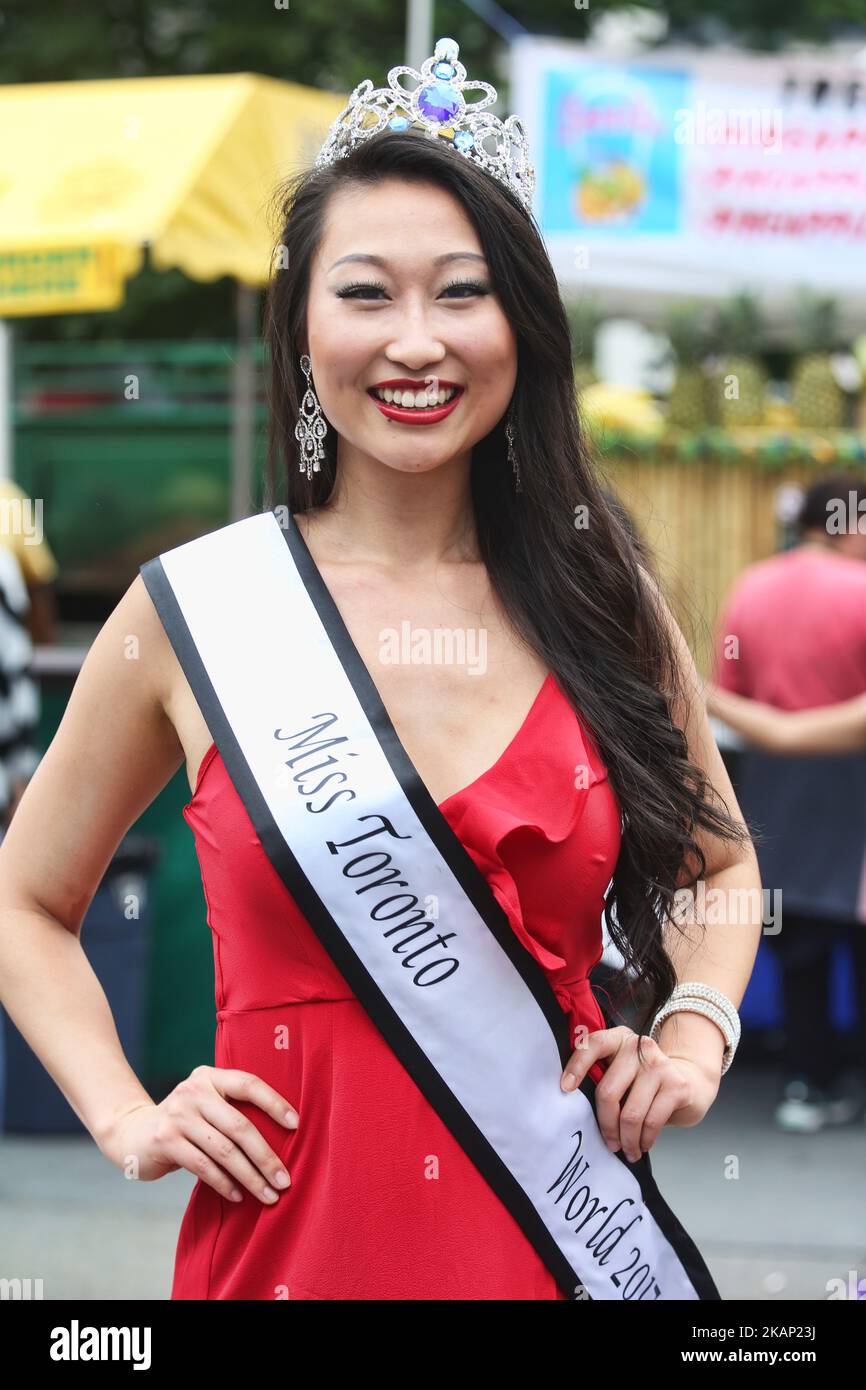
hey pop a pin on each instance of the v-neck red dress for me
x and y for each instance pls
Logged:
(383, 1202)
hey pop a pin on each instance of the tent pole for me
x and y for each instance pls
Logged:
(6, 403)
(419, 29)
(243, 400)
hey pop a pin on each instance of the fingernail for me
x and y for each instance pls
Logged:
(612, 1145)
(270, 1195)
(290, 1119)
(282, 1179)
(235, 1195)
(569, 1081)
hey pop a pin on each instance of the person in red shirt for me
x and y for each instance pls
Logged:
(793, 630)
(792, 635)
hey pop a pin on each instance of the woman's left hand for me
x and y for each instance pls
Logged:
(635, 1098)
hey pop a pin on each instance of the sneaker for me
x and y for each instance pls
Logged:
(802, 1109)
(846, 1098)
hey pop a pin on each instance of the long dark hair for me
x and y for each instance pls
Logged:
(576, 593)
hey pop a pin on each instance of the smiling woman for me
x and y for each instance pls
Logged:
(490, 1122)
(446, 329)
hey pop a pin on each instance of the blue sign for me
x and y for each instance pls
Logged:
(610, 163)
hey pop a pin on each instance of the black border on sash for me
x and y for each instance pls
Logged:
(471, 880)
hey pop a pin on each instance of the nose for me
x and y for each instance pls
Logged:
(414, 343)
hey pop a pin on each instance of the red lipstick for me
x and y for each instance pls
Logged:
(415, 415)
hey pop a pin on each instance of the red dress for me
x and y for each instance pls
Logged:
(383, 1202)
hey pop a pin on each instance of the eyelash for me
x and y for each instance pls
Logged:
(349, 291)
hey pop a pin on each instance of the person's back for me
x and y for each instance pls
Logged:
(799, 620)
(792, 632)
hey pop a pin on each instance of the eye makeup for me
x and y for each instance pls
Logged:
(352, 291)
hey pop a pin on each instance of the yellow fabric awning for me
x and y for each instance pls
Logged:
(91, 173)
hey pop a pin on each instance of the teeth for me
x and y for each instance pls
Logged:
(416, 399)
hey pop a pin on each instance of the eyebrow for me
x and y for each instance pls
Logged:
(437, 260)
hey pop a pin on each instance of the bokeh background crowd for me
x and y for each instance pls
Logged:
(701, 187)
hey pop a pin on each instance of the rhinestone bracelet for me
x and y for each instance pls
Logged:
(694, 996)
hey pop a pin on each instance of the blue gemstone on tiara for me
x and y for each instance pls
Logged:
(438, 104)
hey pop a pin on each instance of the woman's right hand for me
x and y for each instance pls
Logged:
(196, 1128)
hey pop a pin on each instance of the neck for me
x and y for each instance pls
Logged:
(817, 540)
(831, 545)
(401, 520)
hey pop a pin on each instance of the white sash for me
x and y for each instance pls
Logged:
(399, 905)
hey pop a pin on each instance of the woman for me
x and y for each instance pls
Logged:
(569, 749)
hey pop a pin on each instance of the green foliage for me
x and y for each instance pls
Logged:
(157, 304)
(689, 332)
(584, 316)
(336, 46)
(817, 321)
(772, 451)
(739, 327)
(762, 24)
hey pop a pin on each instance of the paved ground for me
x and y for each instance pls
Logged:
(776, 1217)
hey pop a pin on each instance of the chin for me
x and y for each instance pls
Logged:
(416, 466)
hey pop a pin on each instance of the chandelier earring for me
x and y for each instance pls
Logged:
(512, 454)
(311, 427)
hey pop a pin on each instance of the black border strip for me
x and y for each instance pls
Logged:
(485, 1158)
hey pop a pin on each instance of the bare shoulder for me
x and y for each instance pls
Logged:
(131, 656)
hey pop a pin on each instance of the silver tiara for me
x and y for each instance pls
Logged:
(438, 106)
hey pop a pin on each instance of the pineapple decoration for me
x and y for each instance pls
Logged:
(815, 394)
(583, 320)
(689, 403)
(742, 380)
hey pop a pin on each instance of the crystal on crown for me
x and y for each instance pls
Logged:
(437, 105)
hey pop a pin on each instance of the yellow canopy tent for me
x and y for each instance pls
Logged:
(94, 173)
(91, 173)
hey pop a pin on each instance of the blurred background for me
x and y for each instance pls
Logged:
(701, 187)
